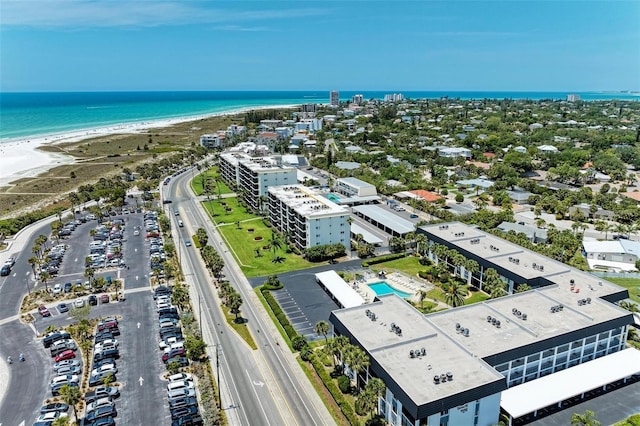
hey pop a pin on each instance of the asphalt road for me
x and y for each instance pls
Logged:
(263, 386)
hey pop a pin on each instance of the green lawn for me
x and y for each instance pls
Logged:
(631, 284)
(241, 329)
(219, 214)
(244, 244)
(409, 265)
(213, 173)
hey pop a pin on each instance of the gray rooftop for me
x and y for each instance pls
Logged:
(355, 182)
(391, 351)
(392, 221)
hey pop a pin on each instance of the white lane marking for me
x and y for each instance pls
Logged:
(141, 380)
(138, 325)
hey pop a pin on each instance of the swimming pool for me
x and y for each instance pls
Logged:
(333, 197)
(382, 288)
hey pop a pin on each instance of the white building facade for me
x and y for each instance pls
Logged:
(308, 217)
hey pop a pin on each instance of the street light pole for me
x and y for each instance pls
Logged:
(218, 373)
(26, 281)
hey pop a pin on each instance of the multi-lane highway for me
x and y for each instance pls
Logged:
(259, 387)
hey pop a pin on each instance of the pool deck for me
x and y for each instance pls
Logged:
(396, 280)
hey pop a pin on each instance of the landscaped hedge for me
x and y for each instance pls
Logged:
(277, 311)
(384, 258)
(331, 386)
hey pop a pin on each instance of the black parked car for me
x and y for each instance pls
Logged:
(53, 336)
(93, 300)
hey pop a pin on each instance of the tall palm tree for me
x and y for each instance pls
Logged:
(472, 267)
(45, 277)
(275, 243)
(234, 301)
(454, 294)
(421, 296)
(322, 327)
(33, 261)
(71, 396)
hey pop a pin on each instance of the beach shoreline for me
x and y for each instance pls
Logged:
(22, 157)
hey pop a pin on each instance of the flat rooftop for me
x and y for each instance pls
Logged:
(392, 350)
(355, 182)
(512, 257)
(306, 201)
(380, 215)
(486, 339)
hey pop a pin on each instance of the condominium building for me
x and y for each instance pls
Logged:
(334, 98)
(358, 99)
(252, 176)
(308, 217)
(353, 187)
(393, 97)
(211, 141)
(519, 354)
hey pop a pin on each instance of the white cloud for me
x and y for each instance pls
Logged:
(140, 13)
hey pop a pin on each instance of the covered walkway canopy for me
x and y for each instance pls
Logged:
(385, 220)
(368, 236)
(555, 388)
(339, 289)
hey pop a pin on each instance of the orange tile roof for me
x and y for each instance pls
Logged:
(489, 155)
(427, 195)
(633, 195)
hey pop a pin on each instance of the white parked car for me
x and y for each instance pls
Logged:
(57, 289)
(102, 402)
(79, 303)
(105, 368)
(70, 378)
(178, 377)
(181, 384)
(168, 342)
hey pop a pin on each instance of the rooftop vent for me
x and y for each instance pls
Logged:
(489, 318)
(449, 375)
(436, 379)
(466, 332)
(412, 354)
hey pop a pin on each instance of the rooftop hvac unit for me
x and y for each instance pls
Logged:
(423, 351)
(466, 332)
(497, 324)
(524, 317)
(368, 312)
(449, 375)
(436, 379)
(572, 281)
(534, 265)
(489, 318)
(588, 300)
(541, 268)
(443, 377)
(494, 321)
(411, 354)
(458, 326)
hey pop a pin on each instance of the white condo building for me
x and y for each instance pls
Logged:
(311, 219)
(254, 175)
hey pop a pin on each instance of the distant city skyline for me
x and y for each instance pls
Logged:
(92, 45)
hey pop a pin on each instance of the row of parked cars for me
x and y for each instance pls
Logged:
(67, 370)
(100, 407)
(181, 390)
(106, 248)
(53, 259)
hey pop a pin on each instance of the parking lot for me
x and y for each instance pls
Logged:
(303, 300)
(139, 366)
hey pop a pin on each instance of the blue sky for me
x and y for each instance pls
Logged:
(88, 45)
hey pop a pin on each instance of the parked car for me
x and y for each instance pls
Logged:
(63, 307)
(50, 416)
(110, 353)
(43, 311)
(54, 406)
(103, 421)
(104, 298)
(79, 303)
(183, 402)
(68, 370)
(106, 411)
(93, 300)
(182, 361)
(50, 338)
(55, 390)
(178, 377)
(190, 420)
(96, 379)
(57, 289)
(66, 363)
(69, 378)
(101, 392)
(68, 354)
(102, 402)
(105, 368)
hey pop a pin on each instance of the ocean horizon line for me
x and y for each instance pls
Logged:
(32, 114)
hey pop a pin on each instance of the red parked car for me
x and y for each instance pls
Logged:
(173, 353)
(44, 311)
(104, 298)
(68, 354)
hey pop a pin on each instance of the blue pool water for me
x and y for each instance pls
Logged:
(333, 197)
(383, 288)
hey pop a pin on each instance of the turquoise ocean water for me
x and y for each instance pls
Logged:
(32, 114)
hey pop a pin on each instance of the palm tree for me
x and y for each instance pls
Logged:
(358, 361)
(180, 296)
(44, 277)
(586, 419)
(89, 273)
(540, 222)
(322, 327)
(454, 294)
(472, 267)
(421, 296)
(603, 226)
(629, 306)
(70, 396)
(33, 261)
(275, 243)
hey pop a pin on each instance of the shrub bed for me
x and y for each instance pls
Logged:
(384, 258)
(331, 386)
(279, 314)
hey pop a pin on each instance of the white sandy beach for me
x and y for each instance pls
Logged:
(20, 158)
